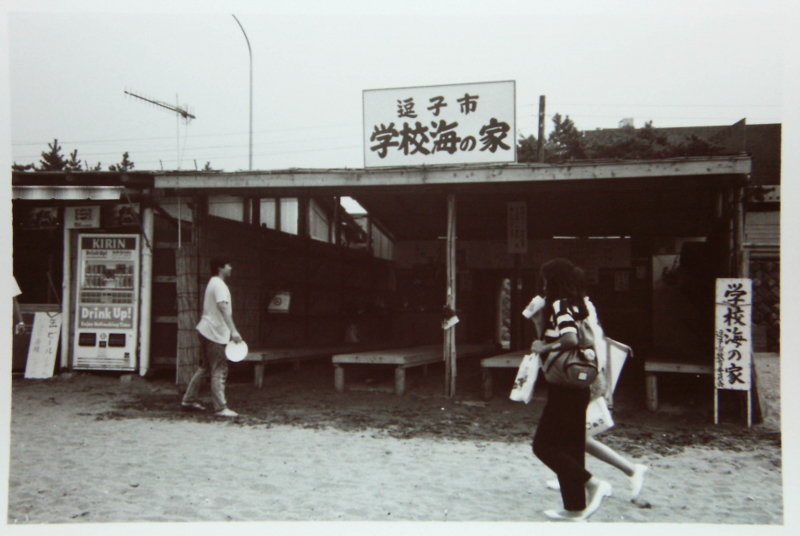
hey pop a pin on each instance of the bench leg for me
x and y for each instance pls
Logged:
(651, 391)
(486, 375)
(258, 375)
(338, 378)
(400, 381)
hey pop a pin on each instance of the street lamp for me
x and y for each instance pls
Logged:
(251, 89)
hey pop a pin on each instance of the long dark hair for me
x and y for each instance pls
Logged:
(564, 283)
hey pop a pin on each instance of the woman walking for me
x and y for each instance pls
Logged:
(560, 439)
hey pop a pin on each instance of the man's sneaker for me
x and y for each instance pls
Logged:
(226, 413)
(192, 406)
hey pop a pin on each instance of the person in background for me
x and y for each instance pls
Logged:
(560, 438)
(216, 329)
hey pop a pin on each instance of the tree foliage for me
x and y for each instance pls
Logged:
(567, 143)
(53, 160)
(124, 165)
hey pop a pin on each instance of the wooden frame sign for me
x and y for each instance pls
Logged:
(733, 358)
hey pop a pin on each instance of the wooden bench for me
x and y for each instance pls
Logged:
(262, 357)
(402, 359)
(656, 364)
(507, 360)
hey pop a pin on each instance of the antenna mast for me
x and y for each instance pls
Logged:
(182, 112)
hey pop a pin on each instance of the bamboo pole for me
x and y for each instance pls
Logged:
(450, 333)
(146, 292)
(188, 349)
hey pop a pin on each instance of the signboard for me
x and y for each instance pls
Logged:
(106, 308)
(517, 227)
(433, 125)
(280, 303)
(732, 340)
(82, 217)
(44, 345)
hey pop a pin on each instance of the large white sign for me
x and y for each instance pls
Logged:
(433, 125)
(732, 340)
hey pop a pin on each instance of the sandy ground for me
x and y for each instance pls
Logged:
(91, 448)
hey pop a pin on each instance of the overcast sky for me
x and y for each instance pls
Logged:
(676, 63)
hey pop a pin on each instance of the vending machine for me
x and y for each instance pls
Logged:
(106, 305)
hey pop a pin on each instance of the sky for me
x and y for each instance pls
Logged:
(675, 63)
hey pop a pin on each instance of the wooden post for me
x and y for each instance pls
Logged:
(541, 129)
(146, 291)
(738, 232)
(516, 305)
(450, 334)
(66, 299)
(333, 228)
(256, 215)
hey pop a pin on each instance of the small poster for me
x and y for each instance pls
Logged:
(732, 337)
(44, 345)
(82, 217)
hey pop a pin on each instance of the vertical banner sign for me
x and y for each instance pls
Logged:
(733, 341)
(44, 345)
(107, 305)
(452, 124)
(517, 227)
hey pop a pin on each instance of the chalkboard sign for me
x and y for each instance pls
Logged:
(44, 345)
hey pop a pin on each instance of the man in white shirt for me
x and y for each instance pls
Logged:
(216, 328)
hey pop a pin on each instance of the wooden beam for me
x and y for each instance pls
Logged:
(443, 176)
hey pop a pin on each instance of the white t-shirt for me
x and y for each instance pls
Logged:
(212, 325)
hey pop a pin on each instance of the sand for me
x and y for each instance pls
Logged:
(91, 448)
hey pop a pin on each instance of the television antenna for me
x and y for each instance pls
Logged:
(178, 110)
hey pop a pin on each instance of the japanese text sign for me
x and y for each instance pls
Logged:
(732, 334)
(517, 227)
(430, 125)
(44, 345)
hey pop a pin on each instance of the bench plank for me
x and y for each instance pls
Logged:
(672, 363)
(261, 357)
(402, 358)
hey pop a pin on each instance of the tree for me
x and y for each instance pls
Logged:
(527, 149)
(73, 164)
(52, 160)
(125, 165)
(565, 141)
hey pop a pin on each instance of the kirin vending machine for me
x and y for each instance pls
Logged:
(106, 305)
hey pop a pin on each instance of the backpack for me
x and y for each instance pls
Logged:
(577, 366)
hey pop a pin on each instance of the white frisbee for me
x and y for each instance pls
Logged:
(236, 351)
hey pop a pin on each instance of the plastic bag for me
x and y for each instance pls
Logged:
(526, 378)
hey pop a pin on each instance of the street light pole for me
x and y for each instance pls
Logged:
(251, 89)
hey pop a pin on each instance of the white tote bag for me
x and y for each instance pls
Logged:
(526, 377)
(598, 418)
